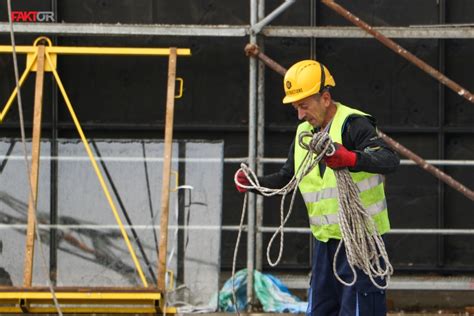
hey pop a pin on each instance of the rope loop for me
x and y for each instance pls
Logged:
(319, 143)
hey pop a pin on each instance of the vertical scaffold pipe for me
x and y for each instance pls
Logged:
(252, 158)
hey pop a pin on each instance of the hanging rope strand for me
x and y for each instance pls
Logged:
(236, 249)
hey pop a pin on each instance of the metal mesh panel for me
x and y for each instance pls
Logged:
(91, 248)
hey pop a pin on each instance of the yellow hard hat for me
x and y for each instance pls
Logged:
(305, 78)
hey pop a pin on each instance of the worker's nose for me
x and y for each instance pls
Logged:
(301, 114)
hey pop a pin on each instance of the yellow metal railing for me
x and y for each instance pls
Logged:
(86, 301)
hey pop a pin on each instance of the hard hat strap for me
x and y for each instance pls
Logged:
(323, 78)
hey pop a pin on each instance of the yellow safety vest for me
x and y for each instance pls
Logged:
(320, 194)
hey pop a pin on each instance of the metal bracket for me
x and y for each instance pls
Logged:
(256, 28)
(181, 84)
(31, 57)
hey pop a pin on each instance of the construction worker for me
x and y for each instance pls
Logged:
(307, 87)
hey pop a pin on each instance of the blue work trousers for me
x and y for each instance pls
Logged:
(328, 297)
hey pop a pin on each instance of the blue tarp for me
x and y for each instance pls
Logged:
(270, 291)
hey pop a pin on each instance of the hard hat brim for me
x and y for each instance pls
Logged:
(293, 98)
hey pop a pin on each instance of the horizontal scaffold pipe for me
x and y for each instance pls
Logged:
(428, 32)
(223, 30)
(73, 29)
(398, 231)
(132, 159)
(265, 229)
(436, 162)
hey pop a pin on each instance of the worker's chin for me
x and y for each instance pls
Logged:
(314, 123)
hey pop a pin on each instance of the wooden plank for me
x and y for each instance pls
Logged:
(165, 185)
(35, 152)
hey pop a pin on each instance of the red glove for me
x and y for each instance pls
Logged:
(341, 158)
(242, 179)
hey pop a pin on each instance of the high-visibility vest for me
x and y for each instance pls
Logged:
(320, 193)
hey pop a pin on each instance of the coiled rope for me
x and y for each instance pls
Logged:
(365, 248)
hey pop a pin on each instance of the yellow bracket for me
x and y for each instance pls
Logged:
(176, 182)
(31, 59)
(181, 83)
(171, 280)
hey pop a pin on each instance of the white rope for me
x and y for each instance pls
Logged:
(319, 141)
(236, 249)
(365, 248)
(25, 152)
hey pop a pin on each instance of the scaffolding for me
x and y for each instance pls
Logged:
(257, 31)
(42, 58)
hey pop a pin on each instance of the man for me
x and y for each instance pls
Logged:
(307, 87)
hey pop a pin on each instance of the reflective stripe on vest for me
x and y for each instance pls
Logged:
(331, 193)
(333, 218)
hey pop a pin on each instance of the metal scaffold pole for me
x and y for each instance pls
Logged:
(252, 158)
(260, 141)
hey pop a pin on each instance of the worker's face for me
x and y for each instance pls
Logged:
(313, 109)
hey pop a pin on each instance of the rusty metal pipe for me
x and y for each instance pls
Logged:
(402, 150)
(253, 51)
(400, 50)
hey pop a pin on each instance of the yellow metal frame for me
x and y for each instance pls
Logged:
(78, 50)
(37, 302)
(83, 302)
(53, 51)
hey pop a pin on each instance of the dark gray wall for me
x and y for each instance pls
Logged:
(124, 97)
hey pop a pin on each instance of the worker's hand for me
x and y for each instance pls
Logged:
(342, 158)
(241, 178)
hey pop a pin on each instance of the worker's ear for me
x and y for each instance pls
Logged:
(326, 98)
